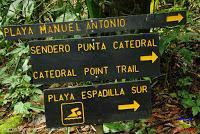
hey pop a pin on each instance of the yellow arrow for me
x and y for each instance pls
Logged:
(178, 18)
(134, 106)
(151, 57)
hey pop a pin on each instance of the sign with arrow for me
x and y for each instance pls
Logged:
(95, 59)
(175, 18)
(153, 57)
(97, 104)
(133, 106)
(100, 25)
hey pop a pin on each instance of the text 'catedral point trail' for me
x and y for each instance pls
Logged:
(92, 71)
(105, 53)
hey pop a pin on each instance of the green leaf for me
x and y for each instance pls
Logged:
(27, 105)
(25, 66)
(195, 110)
(198, 100)
(14, 8)
(37, 108)
(1, 32)
(186, 54)
(28, 6)
(128, 126)
(26, 78)
(188, 103)
(3, 51)
(113, 127)
(12, 80)
(21, 49)
(2, 72)
(93, 9)
(25, 50)
(166, 40)
(147, 78)
(173, 95)
(183, 82)
(184, 94)
(68, 17)
(117, 127)
(35, 98)
(38, 91)
(21, 108)
(106, 129)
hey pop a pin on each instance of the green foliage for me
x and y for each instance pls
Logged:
(167, 37)
(27, 9)
(10, 124)
(179, 41)
(14, 8)
(137, 127)
(186, 54)
(189, 100)
(14, 75)
(18, 92)
(175, 36)
(24, 108)
(184, 82)
(118, 127)
(19, 9)
(34, 11)
(93, 8)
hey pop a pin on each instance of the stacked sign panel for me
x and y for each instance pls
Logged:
(95, 59)
(97, 104)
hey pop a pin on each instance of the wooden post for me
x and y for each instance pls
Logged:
(99, 129)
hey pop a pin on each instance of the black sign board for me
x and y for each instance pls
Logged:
(95, 59)
(97, 104)
(112, 24)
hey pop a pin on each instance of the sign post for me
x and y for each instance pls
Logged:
(95, 59)
(111, 24)
(97, 104)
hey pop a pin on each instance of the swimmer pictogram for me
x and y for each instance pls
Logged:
(75, 114)
(72, 113)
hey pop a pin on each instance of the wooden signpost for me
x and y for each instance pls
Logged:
(97, 104)
(112, 24)
(96, 59)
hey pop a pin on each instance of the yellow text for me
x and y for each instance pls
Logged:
(18, 31)
(133, 44)
(95, 70)
(95, 46)
(49, 49)
(102, 93)
(127, 69)
(60, 97)
(139, 89)
(54, 74)
(104, 24)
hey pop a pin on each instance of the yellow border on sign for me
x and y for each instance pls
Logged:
(152, 6)
(72, 123)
